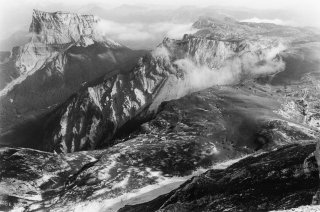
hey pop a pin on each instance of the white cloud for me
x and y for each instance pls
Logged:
(178, 31)
(142, 31)
(161, 52)
(122, 32)
(272, 21)
(173, 30)
(250, 64)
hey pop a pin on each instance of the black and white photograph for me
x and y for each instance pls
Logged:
(159, 106)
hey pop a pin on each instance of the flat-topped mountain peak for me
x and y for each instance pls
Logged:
(61, 27)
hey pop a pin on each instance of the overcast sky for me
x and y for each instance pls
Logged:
(309, 5)
(15, 15)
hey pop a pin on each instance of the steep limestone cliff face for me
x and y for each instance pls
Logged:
(61, 27)
(63, 54)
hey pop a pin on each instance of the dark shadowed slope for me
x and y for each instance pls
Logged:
(283, 178)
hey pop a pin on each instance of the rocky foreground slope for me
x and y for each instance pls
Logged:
(283, 178)
(191, 104)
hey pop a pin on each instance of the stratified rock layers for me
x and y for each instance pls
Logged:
(61, 28)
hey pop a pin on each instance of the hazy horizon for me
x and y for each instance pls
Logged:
(131, 22)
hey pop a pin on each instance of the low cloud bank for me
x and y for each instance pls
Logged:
(161, 52)
(249, 65)
(173, 30)
(132, 34)
(132, 31)
(272, 21)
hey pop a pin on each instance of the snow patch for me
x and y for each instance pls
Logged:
(104, 173)
(94, 95)
(123, 183)
(140, 97)
(227, 163)
(64, 123)
(305, 208)
(146, 193)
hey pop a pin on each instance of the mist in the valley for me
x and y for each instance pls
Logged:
(197, 77)
(133, 33)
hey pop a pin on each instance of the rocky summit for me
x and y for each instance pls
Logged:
(226, 118)
(62, 28)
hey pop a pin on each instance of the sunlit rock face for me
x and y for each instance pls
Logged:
(61, 27)
(63, 54)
